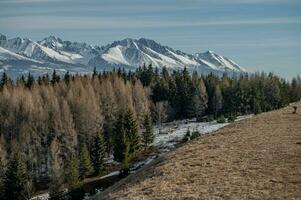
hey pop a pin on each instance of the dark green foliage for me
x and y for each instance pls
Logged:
(182, 99)
(187, 135)
(121, 143)
(2, 178)
(221, 119)
(55, 78)
(98, 154)
(195, 134)
(86, 167)
(72, 173)
(148, 133)
(17, 180)
(108, 129)
(257, 108)
(94, 72)
(131, 131)
(145, 74)
(30, 81)
(232, 118)
(295, 91)
(67, 77)
(5, 80)
(210, 118)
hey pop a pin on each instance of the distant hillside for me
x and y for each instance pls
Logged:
(257, 158)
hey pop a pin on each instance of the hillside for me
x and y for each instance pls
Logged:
(257, 158)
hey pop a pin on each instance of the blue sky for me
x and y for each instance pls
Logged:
(257, 34)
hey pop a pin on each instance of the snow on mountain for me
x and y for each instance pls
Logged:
(219, 62)
(54, 53)
(8, 55)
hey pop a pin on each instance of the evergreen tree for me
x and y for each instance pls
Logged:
(182, 99)
(121, 144)
(4, 79)
(295, 91)
(15, 184)
(98, 155)
(29, 81)
(257, 107)
(86, 167)
(55, 78)
(72, 173)
(148, 133)
(94, 72)
(2, 178)
(108, 129)
(67, 77)
(131, 130)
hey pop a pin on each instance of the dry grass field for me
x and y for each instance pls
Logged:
(257, 158)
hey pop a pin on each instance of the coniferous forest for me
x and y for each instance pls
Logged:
(57, 130)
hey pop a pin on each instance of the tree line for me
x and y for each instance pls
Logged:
(67, 126)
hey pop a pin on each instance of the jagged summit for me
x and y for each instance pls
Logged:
(54, 53)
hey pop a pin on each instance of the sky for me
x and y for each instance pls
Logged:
(260, 35)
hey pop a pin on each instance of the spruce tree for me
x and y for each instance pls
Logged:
(16, 179)
(94, 72)
(98, 155)
(30, 81)
(2, 178)
(121, 143)
(86, 167)
(148, 133)
(131, 130)
(55, 78)
(257, 107)
(4, 79)
(72, 173)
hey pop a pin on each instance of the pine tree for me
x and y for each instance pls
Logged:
(148, 133)
(131, 130)
(2, 178)
(67, 77)
(4, 79)
(72, 173)
(16, 179)
(257, 107)
(121, 143)
(98, 154)
(30, 81)
(86, 167)
(94, 72)
(55, 78)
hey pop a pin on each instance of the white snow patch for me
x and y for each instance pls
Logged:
(114, 173)
(183, 59)
(165, 60)
(115, 55)
(9, 55)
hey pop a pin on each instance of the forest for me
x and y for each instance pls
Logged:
(57, 130)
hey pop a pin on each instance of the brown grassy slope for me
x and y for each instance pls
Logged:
(258, 158)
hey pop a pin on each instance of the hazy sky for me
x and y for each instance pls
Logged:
(257, 34)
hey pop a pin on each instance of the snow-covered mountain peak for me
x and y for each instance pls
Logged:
(55, 53)
(219, 62)
(52, 42)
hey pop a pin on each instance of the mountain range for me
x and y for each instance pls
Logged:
(23, 55)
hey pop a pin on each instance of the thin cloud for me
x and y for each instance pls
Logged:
(73, 22)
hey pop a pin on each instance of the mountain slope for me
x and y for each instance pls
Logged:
(236, 162)
(54, 53)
